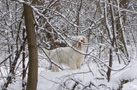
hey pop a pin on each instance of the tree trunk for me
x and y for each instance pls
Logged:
(78, 13)
(23, 64)
(32, 46)
(110, 65)
(112, 39)
(122, 19)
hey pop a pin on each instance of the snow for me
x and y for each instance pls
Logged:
(131, 85)
(48, 80)
(130, 73)
(92, 75)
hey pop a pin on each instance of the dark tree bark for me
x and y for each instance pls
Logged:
(78, 15)
(122, 15)
(32, 46)
(23, 64)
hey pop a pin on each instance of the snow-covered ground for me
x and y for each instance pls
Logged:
(91, 77)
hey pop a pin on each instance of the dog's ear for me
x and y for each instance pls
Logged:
(84, 40)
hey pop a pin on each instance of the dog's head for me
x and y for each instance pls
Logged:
(79, 41)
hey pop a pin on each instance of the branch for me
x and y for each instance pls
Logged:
(122, 9)
(51, 61)
(6, 59)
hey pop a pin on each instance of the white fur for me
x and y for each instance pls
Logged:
(67, 55)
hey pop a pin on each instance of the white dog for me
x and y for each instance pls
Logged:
(67, 55)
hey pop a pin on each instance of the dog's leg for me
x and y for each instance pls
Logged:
(79, 62)
(54, 69)
(72, 65)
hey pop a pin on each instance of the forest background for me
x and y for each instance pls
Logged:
(28, 25)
